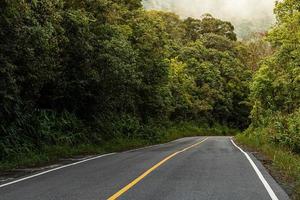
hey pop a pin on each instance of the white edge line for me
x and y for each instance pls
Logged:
(76, 163)
(55, 169)
(259, 174)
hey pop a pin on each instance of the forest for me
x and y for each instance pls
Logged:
(78, 76)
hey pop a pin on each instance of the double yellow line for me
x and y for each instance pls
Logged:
(138, 179)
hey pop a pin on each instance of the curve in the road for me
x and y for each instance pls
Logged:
(138, 179)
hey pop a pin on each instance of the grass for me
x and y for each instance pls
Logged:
(283, 160)
(169, 132)
(190, 129)
(52, 154)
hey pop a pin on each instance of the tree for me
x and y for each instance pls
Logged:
(196, 28)
(275, 90)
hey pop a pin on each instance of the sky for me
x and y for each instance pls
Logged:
(246, 15)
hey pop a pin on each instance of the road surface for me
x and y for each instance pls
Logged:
(187, 169)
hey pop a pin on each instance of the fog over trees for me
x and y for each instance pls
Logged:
(247, 15)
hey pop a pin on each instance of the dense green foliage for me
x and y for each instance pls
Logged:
(275, 90)
(84, 72)
(275, 96)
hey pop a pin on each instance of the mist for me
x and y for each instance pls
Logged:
(247, 15)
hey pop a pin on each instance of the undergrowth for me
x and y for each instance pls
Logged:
(159, 133)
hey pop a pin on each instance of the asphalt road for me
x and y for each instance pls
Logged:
(187, 169)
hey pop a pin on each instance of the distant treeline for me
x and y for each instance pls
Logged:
(78, 71)
(247, 16)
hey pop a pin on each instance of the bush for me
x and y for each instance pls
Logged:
(286, 131)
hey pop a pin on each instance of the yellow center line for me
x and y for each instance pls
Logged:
(138, 179)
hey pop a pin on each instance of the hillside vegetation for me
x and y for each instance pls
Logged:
(78, 74)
